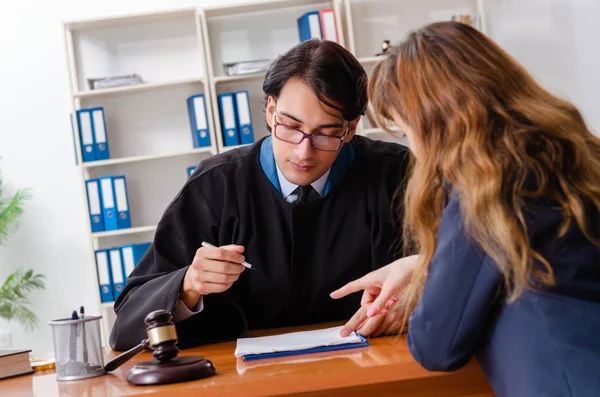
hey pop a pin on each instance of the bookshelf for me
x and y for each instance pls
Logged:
(137, 88)
(123, 232)
(180, 53)
(134, 159)
(147, 125)
(230, 79)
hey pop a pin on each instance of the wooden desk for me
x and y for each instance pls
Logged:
(385, 368)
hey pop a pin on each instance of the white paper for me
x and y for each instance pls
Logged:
(293, 341)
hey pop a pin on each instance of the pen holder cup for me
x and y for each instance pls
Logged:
(77, 348)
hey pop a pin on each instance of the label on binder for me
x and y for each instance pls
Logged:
(107, 193)
(228, 116)
(199, 111)
(87, 139)
(98, 117)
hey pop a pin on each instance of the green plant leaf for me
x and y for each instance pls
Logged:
(14, 297)
(11, 211)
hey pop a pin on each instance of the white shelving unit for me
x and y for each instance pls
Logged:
(134, 159)
(181, 53)
(137, 88)
(148, 129)
(247, 77)
(124, 232)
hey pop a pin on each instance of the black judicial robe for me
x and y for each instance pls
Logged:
(300, 252)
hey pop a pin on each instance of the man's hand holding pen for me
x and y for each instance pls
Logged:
(213, 270)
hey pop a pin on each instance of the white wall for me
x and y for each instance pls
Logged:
(556, 39)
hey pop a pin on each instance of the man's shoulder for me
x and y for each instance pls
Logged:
(379, 150)
(228, 162)
(215, 172)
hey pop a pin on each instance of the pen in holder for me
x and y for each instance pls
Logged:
(77, 347)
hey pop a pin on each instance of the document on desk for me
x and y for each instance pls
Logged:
(297, 343)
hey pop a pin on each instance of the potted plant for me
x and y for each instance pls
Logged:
(15, 291)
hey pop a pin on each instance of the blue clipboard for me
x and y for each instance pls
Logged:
(364, 343)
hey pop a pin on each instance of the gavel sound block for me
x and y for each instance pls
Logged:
(167, 367)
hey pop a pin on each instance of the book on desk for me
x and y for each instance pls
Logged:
(14, 362)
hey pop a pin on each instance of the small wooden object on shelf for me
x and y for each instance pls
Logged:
(385, 46)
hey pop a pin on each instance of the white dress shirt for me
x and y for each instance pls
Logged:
(289, 191)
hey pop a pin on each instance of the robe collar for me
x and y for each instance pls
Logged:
(339, 168)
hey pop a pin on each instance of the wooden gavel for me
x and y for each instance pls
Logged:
(162, 340)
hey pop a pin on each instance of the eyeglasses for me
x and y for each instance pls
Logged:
(327, 143)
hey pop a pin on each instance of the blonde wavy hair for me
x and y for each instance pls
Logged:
(482, 125)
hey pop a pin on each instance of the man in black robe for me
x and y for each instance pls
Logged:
(308, 206)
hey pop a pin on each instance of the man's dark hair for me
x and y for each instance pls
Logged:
(333, 73)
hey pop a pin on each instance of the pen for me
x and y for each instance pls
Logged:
(73, 338)
(85, 352)
(207, 245)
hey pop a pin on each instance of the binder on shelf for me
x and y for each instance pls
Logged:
(191, 170)
(86, 135)
(231, 136)
(122, 202)
(116, 270)
(71, 118)
(309, 26)
(328, 25)
(104, 276)
(109, 210)
(244, 118)
(94, 205)
(198, 121)
(99, 128)
(131, 255)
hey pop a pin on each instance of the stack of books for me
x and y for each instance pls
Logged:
(14, 362)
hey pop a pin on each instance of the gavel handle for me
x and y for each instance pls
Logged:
(124, 357)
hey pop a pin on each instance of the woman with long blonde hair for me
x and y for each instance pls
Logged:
(502, 207)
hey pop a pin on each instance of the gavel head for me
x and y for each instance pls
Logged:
(162, 337)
